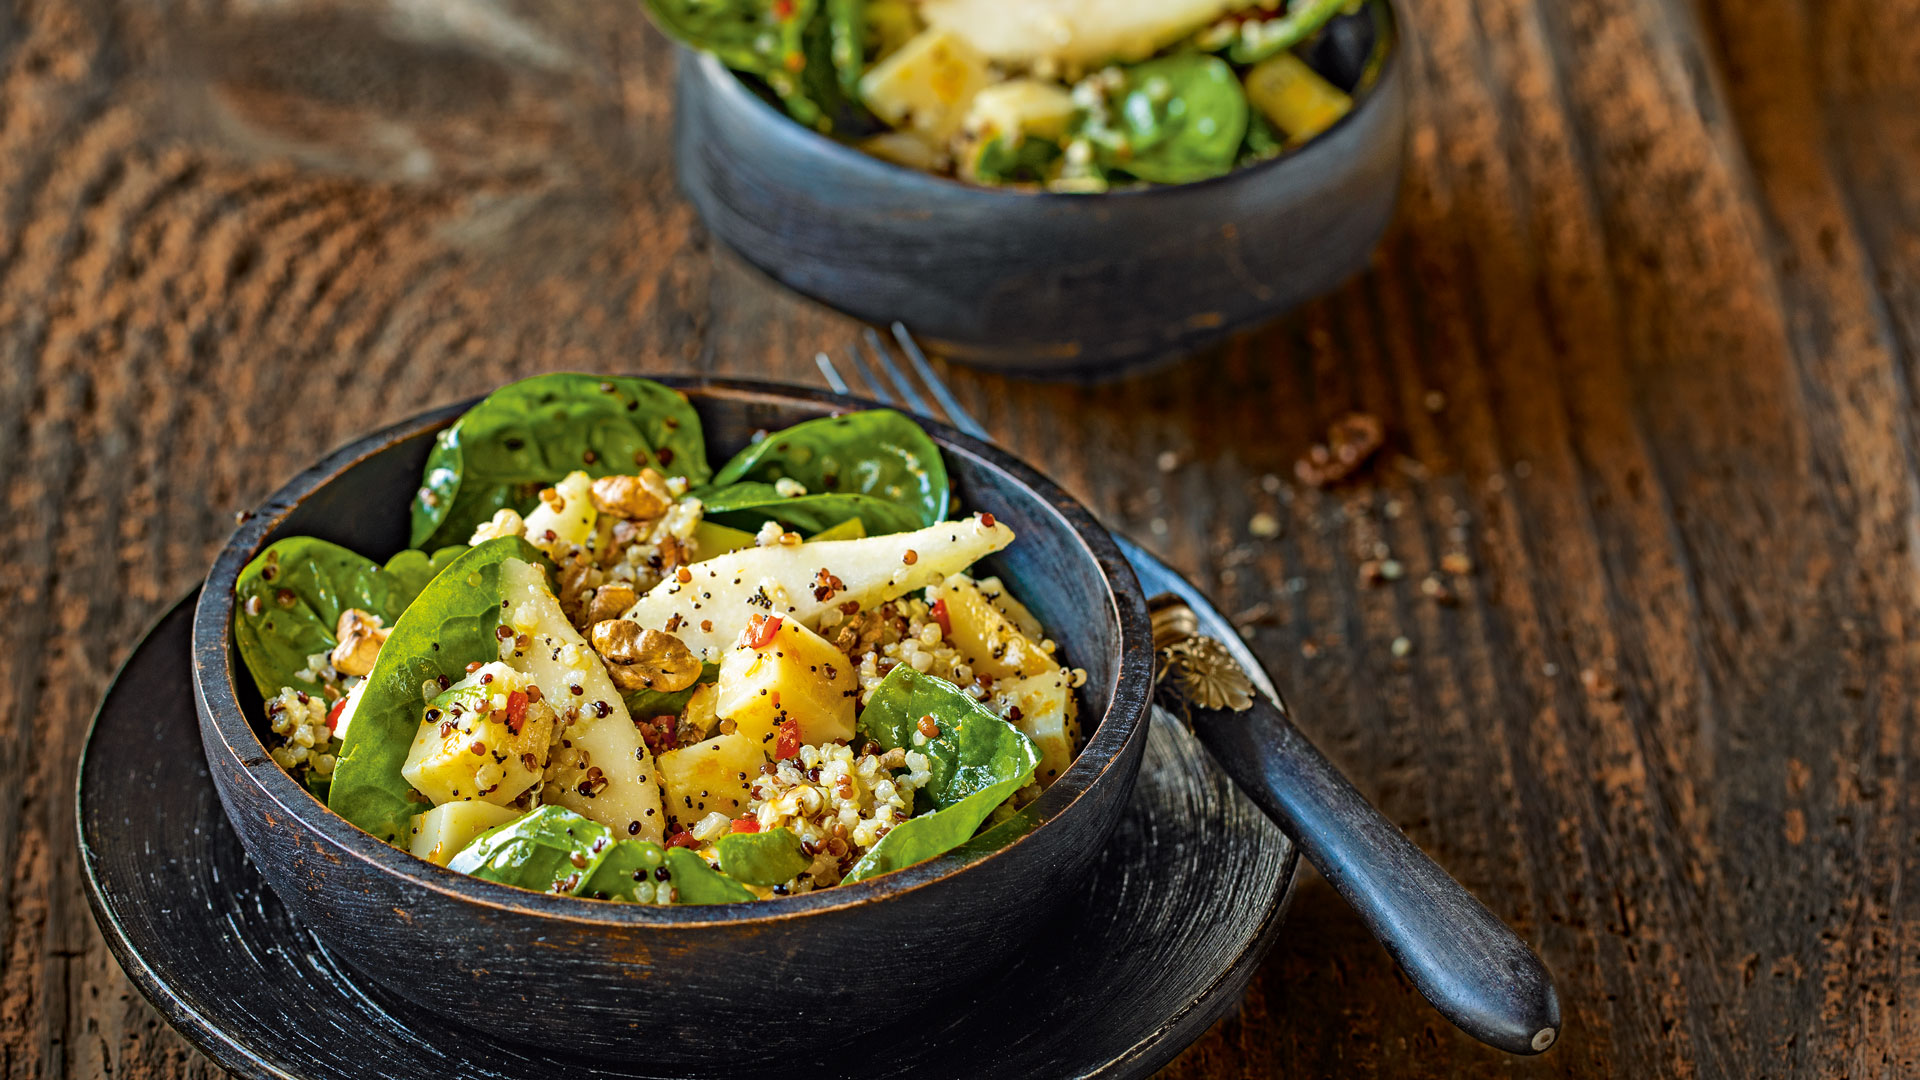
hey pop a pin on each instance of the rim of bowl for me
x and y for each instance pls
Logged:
(1382, 64)
(215, 674)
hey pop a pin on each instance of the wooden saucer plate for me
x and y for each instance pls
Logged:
(1185, 899)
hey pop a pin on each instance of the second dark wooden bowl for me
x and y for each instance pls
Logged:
(1051, 284)
(699, 987)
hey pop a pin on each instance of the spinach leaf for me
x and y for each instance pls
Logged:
(625, 865)
(1261, 38)
(847, 27)
(551, 849)
(695, 882)
(767, 858)
(754, 36)
(644, 704)
(1263, 141)
(532, 433)
(291, 595)
(1177, 119)
(977, 761)
(449, 625)
(873, 456)
(750, 503)
(763, 38)
(1027, 161)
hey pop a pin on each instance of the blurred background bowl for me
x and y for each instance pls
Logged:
(1052, 284)
(692, 989)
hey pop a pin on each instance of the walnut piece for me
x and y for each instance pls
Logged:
(633, 498)
(360, 636)
(610, 601)
(644, 659)
(1351, 441)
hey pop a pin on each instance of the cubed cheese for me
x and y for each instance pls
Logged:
(569, 517)
(439, 834)
(797, 675)
(1048, 715)
(480, 739)
(988, 639)
(710, 777)
(1021, 107)
(927, 85)
(1295, 97)
(710, 539)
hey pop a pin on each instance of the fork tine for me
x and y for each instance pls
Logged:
(830, 373)
(901, 382)
(860, 368)
(957, 414)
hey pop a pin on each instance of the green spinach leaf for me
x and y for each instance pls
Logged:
(644, 704)
(1027, 161)
(291, 595)
(529, 434)
(695, 882)
(1177, 119)
(763, 38)
(846, 463)
(622, 868)
(1261, 38)
(847, 26)
(766, 858)
(977, 761)
(449, 625)
(750, 503)
(551, 849)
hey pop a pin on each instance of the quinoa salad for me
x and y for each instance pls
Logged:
(607, 670)
(1065, 95)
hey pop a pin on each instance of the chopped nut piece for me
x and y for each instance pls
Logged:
(1351, 441)
(610, 601)
(634, 498)
(644, 659)
(360, 636)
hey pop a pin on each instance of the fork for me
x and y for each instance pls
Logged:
(1474, 970)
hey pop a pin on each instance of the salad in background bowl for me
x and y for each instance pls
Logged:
(1184, 196)
(1064, 95)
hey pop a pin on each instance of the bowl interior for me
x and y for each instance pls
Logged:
(1063, 565)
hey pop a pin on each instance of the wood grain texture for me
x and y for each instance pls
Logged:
(1644, 337)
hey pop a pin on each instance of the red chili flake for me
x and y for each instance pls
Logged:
(684, 839)
(796, 62)
(761, 629)
(939, 613)
(516, 711)
(746, 824)
(783, 9)
(788, 744)
(986, 520)
(333, 714)
(666, 455)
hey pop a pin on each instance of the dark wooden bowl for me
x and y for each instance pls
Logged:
(1042, 283)
(745, 982)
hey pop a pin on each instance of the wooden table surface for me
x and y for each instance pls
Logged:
(1643, 336)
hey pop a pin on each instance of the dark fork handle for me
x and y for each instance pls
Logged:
(1474, 970)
